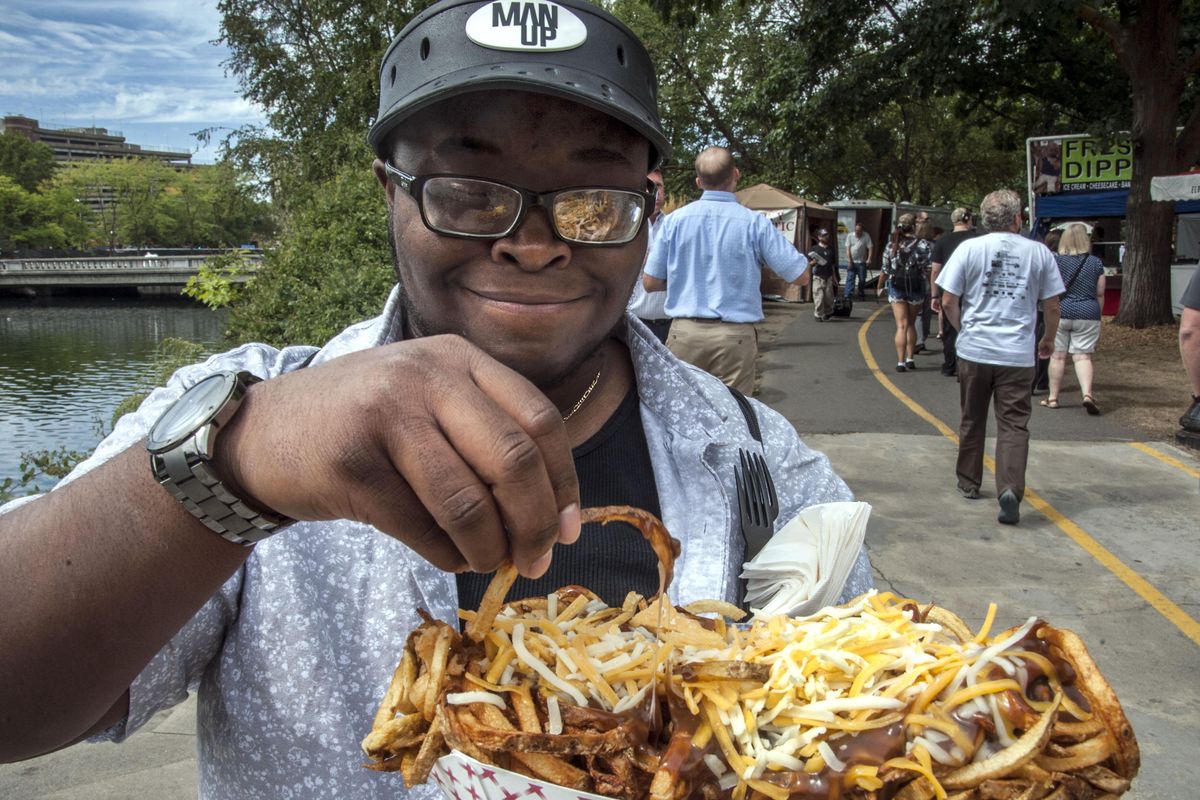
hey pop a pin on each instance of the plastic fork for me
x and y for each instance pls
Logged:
(757, 501)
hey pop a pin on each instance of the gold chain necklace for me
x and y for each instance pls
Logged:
(579, 403)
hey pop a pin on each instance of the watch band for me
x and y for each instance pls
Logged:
(191, 480)
(185, 470)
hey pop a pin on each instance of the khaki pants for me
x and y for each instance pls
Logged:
(724, 349)
(823, 290)
(978, 385)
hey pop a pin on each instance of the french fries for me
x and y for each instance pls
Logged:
(879, 698)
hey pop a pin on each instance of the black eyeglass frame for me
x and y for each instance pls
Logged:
(414, 184)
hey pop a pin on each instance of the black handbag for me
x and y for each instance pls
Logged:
(842, 305)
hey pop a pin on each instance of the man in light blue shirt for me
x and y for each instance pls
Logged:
(707, 258)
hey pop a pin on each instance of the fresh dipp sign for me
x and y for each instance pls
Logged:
(1090, 161)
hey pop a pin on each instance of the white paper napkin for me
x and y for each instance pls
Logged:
(804, 565)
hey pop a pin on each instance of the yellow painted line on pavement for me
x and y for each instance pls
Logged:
(1166, 459)
(1143, 588)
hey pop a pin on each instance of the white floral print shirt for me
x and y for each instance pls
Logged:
(292, 655)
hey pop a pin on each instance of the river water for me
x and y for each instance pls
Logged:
(66, 363)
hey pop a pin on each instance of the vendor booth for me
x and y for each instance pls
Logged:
(1107, 210)
(798, 219)
(1084, 179)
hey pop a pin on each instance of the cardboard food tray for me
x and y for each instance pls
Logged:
(461, 777)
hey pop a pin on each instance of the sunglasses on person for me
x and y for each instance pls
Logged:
(478, 208)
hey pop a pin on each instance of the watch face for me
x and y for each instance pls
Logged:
(192, 410)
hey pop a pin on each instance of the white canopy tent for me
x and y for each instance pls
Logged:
(1176, 188)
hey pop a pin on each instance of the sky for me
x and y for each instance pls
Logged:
(145, 68)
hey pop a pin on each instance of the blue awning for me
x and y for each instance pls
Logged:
(1083, 205)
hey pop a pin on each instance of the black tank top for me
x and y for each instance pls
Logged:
(614, 469)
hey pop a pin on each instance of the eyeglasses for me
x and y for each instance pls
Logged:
(477, 208)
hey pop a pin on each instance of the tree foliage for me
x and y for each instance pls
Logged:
(38, 219)
(28, 163)
(144, 203)
(331, 267)
(314, 66)
(927, 101)
(1009, 68)
(807, 101)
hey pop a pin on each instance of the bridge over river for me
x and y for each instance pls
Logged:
(148, 274)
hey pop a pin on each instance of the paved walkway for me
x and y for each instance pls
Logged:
(1108, 546)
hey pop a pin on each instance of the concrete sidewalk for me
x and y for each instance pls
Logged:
(1122, 505)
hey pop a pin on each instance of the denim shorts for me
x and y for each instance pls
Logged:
(913, 295)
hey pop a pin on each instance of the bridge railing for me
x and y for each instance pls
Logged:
(113, 264)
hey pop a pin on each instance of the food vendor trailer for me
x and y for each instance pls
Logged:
(1081, 178)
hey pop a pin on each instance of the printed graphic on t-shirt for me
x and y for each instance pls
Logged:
(1004, 277)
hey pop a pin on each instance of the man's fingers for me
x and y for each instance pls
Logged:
(516, 442)
(393, 507)
(452, 491)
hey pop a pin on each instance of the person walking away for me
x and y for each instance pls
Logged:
(1079, 321)
(924, 316)
(823, 258)
(651, 307)
(904, 264)
(990, 289)
(860, 252)
(708, 259)
(964, 228)
(1189, 349)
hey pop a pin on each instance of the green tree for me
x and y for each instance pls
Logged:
(38, 220)
(27, 162)
(332, 265)
(140, 202)
(1035, 67)
(314, 65)
(807, 102)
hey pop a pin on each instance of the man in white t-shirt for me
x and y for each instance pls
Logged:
(990, 290)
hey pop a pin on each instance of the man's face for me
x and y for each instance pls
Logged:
(532, 301)
(659, 192)
(922, 217)
(858, 229)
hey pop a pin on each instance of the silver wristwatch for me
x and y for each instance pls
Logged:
(181, 449)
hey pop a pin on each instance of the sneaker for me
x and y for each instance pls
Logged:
(910, 364)
(969, 492)
(1010, 508)
(920, 348)
(1191, 420)
(900, 367)
(949, 373)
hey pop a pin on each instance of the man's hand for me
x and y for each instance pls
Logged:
(935, 303)
(431, 441)
(1045, 347)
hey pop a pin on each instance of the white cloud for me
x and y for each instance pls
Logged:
(118, 62)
